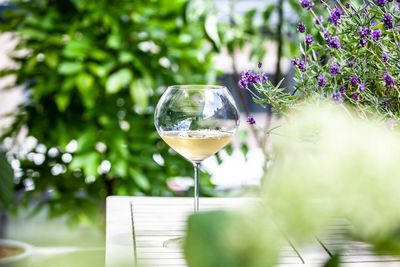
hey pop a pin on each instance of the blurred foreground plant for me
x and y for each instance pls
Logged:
(92, 71)
(327, 165)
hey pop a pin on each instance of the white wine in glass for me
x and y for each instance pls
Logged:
(196, 121)
(196, 145)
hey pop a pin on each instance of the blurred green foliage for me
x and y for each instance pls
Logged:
(222, 238)
(93, 71)
(330, 168)
(256, 26)
(6, 182)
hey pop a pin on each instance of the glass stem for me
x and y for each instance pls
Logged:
(196, 186)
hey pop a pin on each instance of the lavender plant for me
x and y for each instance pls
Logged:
(354, 59)
(266, 93)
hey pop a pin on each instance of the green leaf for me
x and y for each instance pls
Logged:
(68, 84)
(118, 80)
(333, 262)
(70, 67)
(121, 146)
(138, 92)
(51, 59)
(167, 6)
(120, 168)
(77, 48)
(30, 33)
(6, 181)
(203, 230)
(62, 101)
(84, 82)
(140, 179)
(87, 140)
(267, 12)
(248, 20)
(114, 41)
(98, 70)
(30, 65)
(245, 149)
(125, 57)
(88, 162)
(219, 235)
(229, 149)
(99, 54)
(211, 29)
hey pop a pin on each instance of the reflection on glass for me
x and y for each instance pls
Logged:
(196, 121)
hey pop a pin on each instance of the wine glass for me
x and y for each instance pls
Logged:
(196, 121)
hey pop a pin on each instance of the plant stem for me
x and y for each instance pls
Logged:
(279, 41)
(236, 75)
(265, 141)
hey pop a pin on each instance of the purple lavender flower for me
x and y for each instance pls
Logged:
(321, 80)
(387, 21)
(335, 16)
(326, 35)
(259, 65)
(334, 69)
(388, 79)
(254, 77)
(354, 80)
(356, 96)
(307, 4)
(385, 58)
(364, 31)
(301, 65)
(242, 84)
(251, 120)
(351, 63)
(319, 20)
(309, 39)
(380, 2)
(374, 23)
(337, 97)
(385, 104)
(376, 34)
(362, 87)
(333, 42)
(301, 27)
(294, 61)
(264, 78)
(363, 41)
(248, 77)
(342, 89)
(347, 5)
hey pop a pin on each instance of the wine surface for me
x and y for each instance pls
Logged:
(196, 145)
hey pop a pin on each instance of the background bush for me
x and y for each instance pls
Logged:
(93, 71)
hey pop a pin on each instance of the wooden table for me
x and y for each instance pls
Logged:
(138, 226)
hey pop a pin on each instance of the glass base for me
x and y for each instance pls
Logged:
(173, 243)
